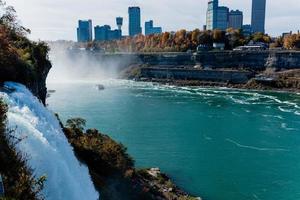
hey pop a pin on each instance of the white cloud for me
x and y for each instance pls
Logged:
(57, 19)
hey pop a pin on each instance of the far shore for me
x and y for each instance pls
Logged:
(219, 85)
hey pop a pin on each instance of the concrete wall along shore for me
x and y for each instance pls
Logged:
(225, 66)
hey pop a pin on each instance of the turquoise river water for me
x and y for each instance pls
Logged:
(219, 144)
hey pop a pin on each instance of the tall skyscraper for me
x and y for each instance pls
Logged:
(235, 19)
(258, 15)
(216, 16)
(134, 21)
(211, 15)
(85, 31)
(222, 18)
(150, 29)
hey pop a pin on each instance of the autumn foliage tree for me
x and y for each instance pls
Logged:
(292, 41)
(21, 59)
(180, 41)
(261, 37)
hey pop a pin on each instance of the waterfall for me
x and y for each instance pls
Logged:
(46, 146)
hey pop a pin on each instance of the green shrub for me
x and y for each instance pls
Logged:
(97, 150)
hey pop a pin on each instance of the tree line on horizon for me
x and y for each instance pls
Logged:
(183, 40)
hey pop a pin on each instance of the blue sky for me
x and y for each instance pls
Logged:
(57, 19)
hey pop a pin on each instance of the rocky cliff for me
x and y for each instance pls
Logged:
(252, 60)
(25, 62)
(230, 68)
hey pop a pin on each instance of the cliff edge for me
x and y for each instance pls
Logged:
(22, 60)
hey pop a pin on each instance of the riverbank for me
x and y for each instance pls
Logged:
(269, 79)
(252, 85)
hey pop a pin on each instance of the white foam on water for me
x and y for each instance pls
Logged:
(253, 147)
(46, 147)
(237, 96)
(273, 116)
(285, 127)
(207, 137)
(239, 101)
(284, 109)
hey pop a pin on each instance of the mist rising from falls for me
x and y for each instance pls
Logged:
(46, 147)
(84, 66)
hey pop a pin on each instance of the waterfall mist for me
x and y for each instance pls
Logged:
(81, 65)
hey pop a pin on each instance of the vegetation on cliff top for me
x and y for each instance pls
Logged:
(19, 182)
(21, 60)
(98, 150)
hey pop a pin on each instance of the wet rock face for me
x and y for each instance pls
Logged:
(33, 78)
(39, 88)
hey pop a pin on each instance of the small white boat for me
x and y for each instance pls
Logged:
(100, 87)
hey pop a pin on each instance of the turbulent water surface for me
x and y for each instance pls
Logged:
(45, 146)
(219, 144)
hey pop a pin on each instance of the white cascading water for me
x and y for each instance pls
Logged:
(46, 147)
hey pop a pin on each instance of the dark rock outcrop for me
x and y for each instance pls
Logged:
(35, 80)
(33, 75)
(38, 85)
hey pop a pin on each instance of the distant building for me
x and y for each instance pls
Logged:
(222, 18)
(216, 16)
(235, 19)
(258, 15)
(114, 34)
(284, 35)
(247, 30)
(220, 46)
(134, 21)
(211, 15)
(104, 33)
(150, 29)
(101, 32)
(119, 21)
(84, 31)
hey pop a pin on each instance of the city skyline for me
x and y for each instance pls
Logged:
(177, 15)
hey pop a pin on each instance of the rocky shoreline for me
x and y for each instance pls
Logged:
(267, 80)
(160, 186)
